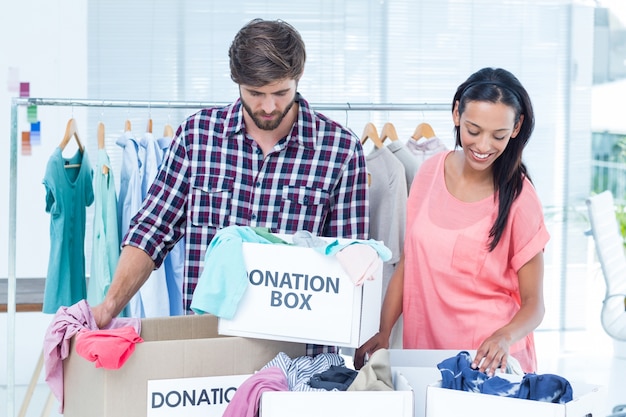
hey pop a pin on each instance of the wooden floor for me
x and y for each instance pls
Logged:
(28, 296)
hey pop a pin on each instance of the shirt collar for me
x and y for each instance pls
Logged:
(306, 119)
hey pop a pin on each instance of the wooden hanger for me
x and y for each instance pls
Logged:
(423, 130)
(371, 133)
(127, 126)
(168, 132)
(388, 131)
(71, 131)
(102, 145)
(149, 127)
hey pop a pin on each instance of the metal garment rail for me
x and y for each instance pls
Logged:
(70, 102)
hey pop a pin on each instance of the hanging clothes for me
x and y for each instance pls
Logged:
(69, 191)
(130, 198)
(400, 151)
(174, 262)
(424, 148)
(408, 160)
(140, 161)
(388, 198)
(106, 240)
(154, 297)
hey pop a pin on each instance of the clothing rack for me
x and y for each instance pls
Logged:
(149, 104)
(32, 101)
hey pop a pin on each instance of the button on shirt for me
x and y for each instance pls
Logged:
(214, 176)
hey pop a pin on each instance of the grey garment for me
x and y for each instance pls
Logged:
(307, 239)
(408, 160)
(388, 200)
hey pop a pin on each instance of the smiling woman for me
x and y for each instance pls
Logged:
(474, 231)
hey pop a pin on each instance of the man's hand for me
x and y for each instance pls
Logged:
(101, 316)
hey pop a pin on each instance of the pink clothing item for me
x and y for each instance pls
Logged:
(245, 402)
(67, 322)
(109, 349)
(360, 262)
(456, 292)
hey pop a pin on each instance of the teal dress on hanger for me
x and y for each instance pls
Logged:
(105, 249)
(69, 191)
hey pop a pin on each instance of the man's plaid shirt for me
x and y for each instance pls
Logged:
(214, 175)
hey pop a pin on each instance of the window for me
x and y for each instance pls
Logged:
(395, 51)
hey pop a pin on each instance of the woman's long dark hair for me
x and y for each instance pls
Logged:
(497, 85)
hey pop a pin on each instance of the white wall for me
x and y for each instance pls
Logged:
(45, 42)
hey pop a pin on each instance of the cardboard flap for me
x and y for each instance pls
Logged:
(179, 328)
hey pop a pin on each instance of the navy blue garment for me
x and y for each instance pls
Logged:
(546, 387)
(334, 378)
(456, 373)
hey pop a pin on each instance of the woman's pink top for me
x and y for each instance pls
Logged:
(456, 292)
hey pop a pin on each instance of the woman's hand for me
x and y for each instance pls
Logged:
(378, 341)
(492, 354)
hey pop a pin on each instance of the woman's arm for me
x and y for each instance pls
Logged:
(391, 310)
(494, 350)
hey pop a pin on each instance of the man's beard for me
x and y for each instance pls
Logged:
(267, 124)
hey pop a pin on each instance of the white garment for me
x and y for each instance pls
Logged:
(425, 148)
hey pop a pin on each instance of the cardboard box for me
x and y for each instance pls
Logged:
(398, 403)
(419, 368)
(588, 401)
(192, 397)
(174, 347)
(301, 295)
